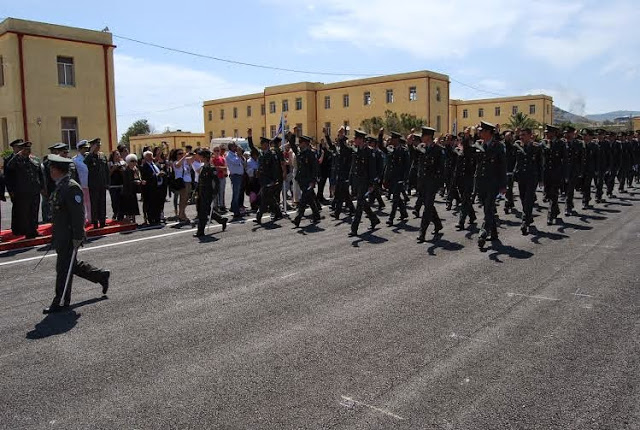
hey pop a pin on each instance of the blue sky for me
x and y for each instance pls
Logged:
(584, 53)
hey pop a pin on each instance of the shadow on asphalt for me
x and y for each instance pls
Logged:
(207, 238)
(54, 324)
(309, 229)
(438, 243)
(497, 249)
(537, 235)
(269, 225)
(402, 225)
(606, 211)
(368, 237)
(565, 225)
(585, 218)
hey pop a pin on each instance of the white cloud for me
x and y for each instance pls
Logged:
(168, 95)
(564, 98)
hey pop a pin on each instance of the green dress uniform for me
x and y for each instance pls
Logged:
(25, 183)
(528, 173)
(431, 175)
(575, 171)
(269, 175)
(555, 158)
(67, 211)
(204, 198)
(343, 160)
(590, 163)
(491, 177)
(306, 175)
(363, 176)
(464, 177)
(396, 175)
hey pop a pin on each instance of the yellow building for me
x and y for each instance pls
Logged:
(174, 139)
(56, 85)
(636, 123)
(466, 113)
(313, 105)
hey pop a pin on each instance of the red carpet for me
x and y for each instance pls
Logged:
(9, 241)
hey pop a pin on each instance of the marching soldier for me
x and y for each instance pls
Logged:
(307, 175)
(396, 175)
(343, 156)
(528, 170)
(49, 184)
(68, 235)
(464, 177)
(25, 184)
(98, 182)
(431, 175)
(269, 177)
(616, 154)
(574, 167)
(626, 162)
(510, 152)
(378, 156)
(590, 164)
(555, 157)
(206, 188)
(604, 161)
(491, 179)
(363, 178)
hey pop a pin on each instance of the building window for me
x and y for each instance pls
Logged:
(210, 115)
(1, 72)
(480, 112)
(210, 136)
(272, 107)
(438, 95)
(345, 124)
(184, 144)
(299, 128)
(263, 132)
(262, 110)
(222, 133)
(367, 98)
(345, 100)
(548, 109)
(497, 111)
(327, 102)
(413, 94)
(285, 105)
(389, 96)
(532, 109)
(235, 132)
(221, 113)
(69, 130)
(465, 113)
(299, 103)
(514, 110)
(272, 131)
(235, 112)
(249, 111)
(438, 123)
(327, 127)
(66, 74)
(5, 134)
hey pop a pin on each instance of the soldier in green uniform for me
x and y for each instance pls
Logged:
(590, 164)
(68, 234)
(205, 191)
(343, 156)
(574, 167)
(555, 158)
(491, 179)
(396, 175)
(528, 173)
(379, 162)
(307, 175)
(510, 153)
(431, 175)
(464, 177)
(363, 178)
(99, 179)
(269, 178)
(25, 182)
(49, 184)
(604, 164)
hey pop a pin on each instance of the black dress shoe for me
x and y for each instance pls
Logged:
(421, 238)
(277, 217)
(296, 222)
(353, 233)
(416, 213)
(460, 226)
(198, 234)
(54, 309)
(224, 224)
(374, 223)
(437, 230)
(105, 281)
(390, 222)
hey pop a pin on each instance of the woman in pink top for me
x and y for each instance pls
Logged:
(219, 162)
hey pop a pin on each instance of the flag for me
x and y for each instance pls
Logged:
(281, 130)
(455, 126)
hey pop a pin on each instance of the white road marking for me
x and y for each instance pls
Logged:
(289, 275)
(577, 293)
(533, 297)
(351, 402)
(460, 336)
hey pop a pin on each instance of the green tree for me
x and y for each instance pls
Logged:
(402, 123)
(138, 128)
(521, 120)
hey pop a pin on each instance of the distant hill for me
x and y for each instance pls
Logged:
(610, 116)
(560, 116)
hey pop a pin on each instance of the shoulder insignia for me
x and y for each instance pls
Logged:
(78, 198)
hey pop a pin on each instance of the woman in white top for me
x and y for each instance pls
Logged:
(181, 163)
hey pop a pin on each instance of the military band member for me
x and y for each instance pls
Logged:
(396, 174)
(364, 175)
(491, 179)
(555, 157)
(431, 175)
(528, 171)
(574, 167)
(68, 234)
(205, 192)
(307, 175)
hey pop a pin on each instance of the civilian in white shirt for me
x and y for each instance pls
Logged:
(182, 170)
(83, 175)
(235, 165)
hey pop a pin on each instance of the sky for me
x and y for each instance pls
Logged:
(583, 53)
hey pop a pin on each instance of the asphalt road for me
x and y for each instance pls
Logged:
(275, 328)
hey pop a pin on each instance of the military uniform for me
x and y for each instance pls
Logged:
(431, 175)
(590, 164)
(268, 176)
(555, 157)
(615, 162)
(396, 174)
(98, 185)
(67, 211)
(378, 156)
(626, 163)
(205, 193)
(306, 175)
(363, 176)
(342, 159)
(574, 170)
(25, 183)
(604, 165)
(464, 178)
(510, 154)
(528, 171)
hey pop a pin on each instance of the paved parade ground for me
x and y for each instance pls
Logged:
(275, 328)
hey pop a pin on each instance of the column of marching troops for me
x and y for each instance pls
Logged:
(485, 167)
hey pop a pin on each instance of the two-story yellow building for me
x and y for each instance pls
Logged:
(56, 85)
(312, 106)
(467, 113)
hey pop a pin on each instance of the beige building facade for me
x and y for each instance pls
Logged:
(312, 105)
(56, 85)
(175, 139)
(467, 113)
